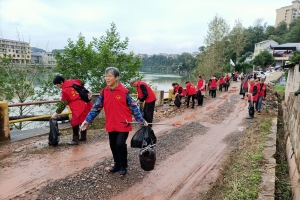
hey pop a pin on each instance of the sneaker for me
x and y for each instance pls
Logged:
(114, 169)
(123, 171)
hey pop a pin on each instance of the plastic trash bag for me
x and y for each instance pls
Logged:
(54, 133)
(148, 158)
(177, 101)
(143, 137)
(251, 109)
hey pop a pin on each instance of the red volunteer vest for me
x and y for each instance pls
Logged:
(176, 89)
(245, 83)
(213, 83)
(190, 89)
(227, 78)
(262, 90)
(200, 85)
(151, 96)
(221, 81)
(255, 97)
(116, 109)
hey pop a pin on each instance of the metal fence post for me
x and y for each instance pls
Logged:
(4, 122)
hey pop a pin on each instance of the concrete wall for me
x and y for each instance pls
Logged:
(293, 81)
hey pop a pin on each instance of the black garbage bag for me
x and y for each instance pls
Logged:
(148, 158)
(177, 101)
(143, 137)
(251, 109)
(54, 133)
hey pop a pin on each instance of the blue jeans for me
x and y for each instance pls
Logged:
(259, 102)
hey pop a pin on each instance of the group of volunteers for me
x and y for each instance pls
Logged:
(256, 91)
(120, 107)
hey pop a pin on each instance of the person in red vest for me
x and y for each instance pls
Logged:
(200, 90)
(221, 83)
(79, 108)
(261, 94)
(244, 86)
(213, 85)
(119, 107)
(226, 82)
(178, 90)
(190, 92)
(145, 93)
(253, 97)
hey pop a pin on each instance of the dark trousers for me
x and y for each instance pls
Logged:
(200, 99)
(193, 100)
(76, 130)
(148, 112)
(221, 87)
(118, 146)
(251, 108)
(213, 93)
(226, 87)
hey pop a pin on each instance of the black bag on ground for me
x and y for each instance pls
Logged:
(177, 101)
(251, 109)
(148, 158)
(143, 137)
(82, 91)
(54, 133)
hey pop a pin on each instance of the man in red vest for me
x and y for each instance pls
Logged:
(145, 93)
(221, 83)
(200, 90)
(79, 108)
(119, 107)
(190, 92)
(261, 94)
(213, 85)
(226, 82)
(252, 97)
(244, 86)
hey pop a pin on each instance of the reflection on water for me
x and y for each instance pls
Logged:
(163, 81)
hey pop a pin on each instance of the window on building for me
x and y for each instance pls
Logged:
(27, 56)
(14, 55)
(18, 56)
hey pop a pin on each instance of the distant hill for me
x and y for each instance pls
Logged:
(35, 49)
(60, 50)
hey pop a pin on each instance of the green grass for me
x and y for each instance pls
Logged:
(280, 89)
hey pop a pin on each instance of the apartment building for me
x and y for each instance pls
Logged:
(43, 58)
(288, 13)
(263, 45)
(17, 50)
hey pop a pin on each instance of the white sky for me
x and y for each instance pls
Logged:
(165, 26)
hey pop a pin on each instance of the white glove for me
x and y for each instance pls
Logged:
(84, 125)
(145, 123)
(54, 116)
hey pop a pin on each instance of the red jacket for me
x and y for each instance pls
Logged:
(213, 83)
(201, 85)
(116, 109)
(254, 87)
(221, 81)
(79, 108)
(244, 83)
(151, 96)
(190, 89)
(179, 89)
(262, 90)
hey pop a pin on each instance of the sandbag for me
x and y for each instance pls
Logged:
(143, 137)
(148, 158)
(54, 133)
(177, 101)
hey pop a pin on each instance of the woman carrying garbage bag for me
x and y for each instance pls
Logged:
(119, 107)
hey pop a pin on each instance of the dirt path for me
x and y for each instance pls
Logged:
(183, 174)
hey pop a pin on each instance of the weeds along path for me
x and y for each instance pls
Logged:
(185, 171)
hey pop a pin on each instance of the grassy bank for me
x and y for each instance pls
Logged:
(280, 89)
(241, 173)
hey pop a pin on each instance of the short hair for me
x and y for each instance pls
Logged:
(113, 70)
(173, 84)
(200, 76)
(133, 80)
(58, 79)
(186, 82)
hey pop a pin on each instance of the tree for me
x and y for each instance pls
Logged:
(254, 35)
(89, 61)
(263, 59)
(281, 28)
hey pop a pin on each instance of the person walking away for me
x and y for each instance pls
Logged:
(200, 90)
(213, 85)
(190, 93)
(119, 107)
(221, 83)
(145, 94)
(226, 82)
(261, 94)
(79, 108)
(244, 87)
(252, 98)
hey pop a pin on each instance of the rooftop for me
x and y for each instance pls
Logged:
(13, 41)
(286, 46)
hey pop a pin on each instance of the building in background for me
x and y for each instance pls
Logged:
(263, 45)
(43, 58)
(288, 13)
(17, 50)
(282, 52)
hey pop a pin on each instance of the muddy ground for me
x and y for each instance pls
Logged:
(188, 158)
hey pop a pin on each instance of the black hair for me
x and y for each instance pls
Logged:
(200, 76)
(173, 84)
(58, 79)
(186, 82)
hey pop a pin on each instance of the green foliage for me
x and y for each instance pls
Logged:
(264, 58)
(280, 89)
(35, 49)
(281, 28)
(295, 57)
(276, 38)
(243, 58)
(293, 35)
(89, 61)
(243, 67)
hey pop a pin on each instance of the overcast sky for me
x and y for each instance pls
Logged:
(152, 26)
